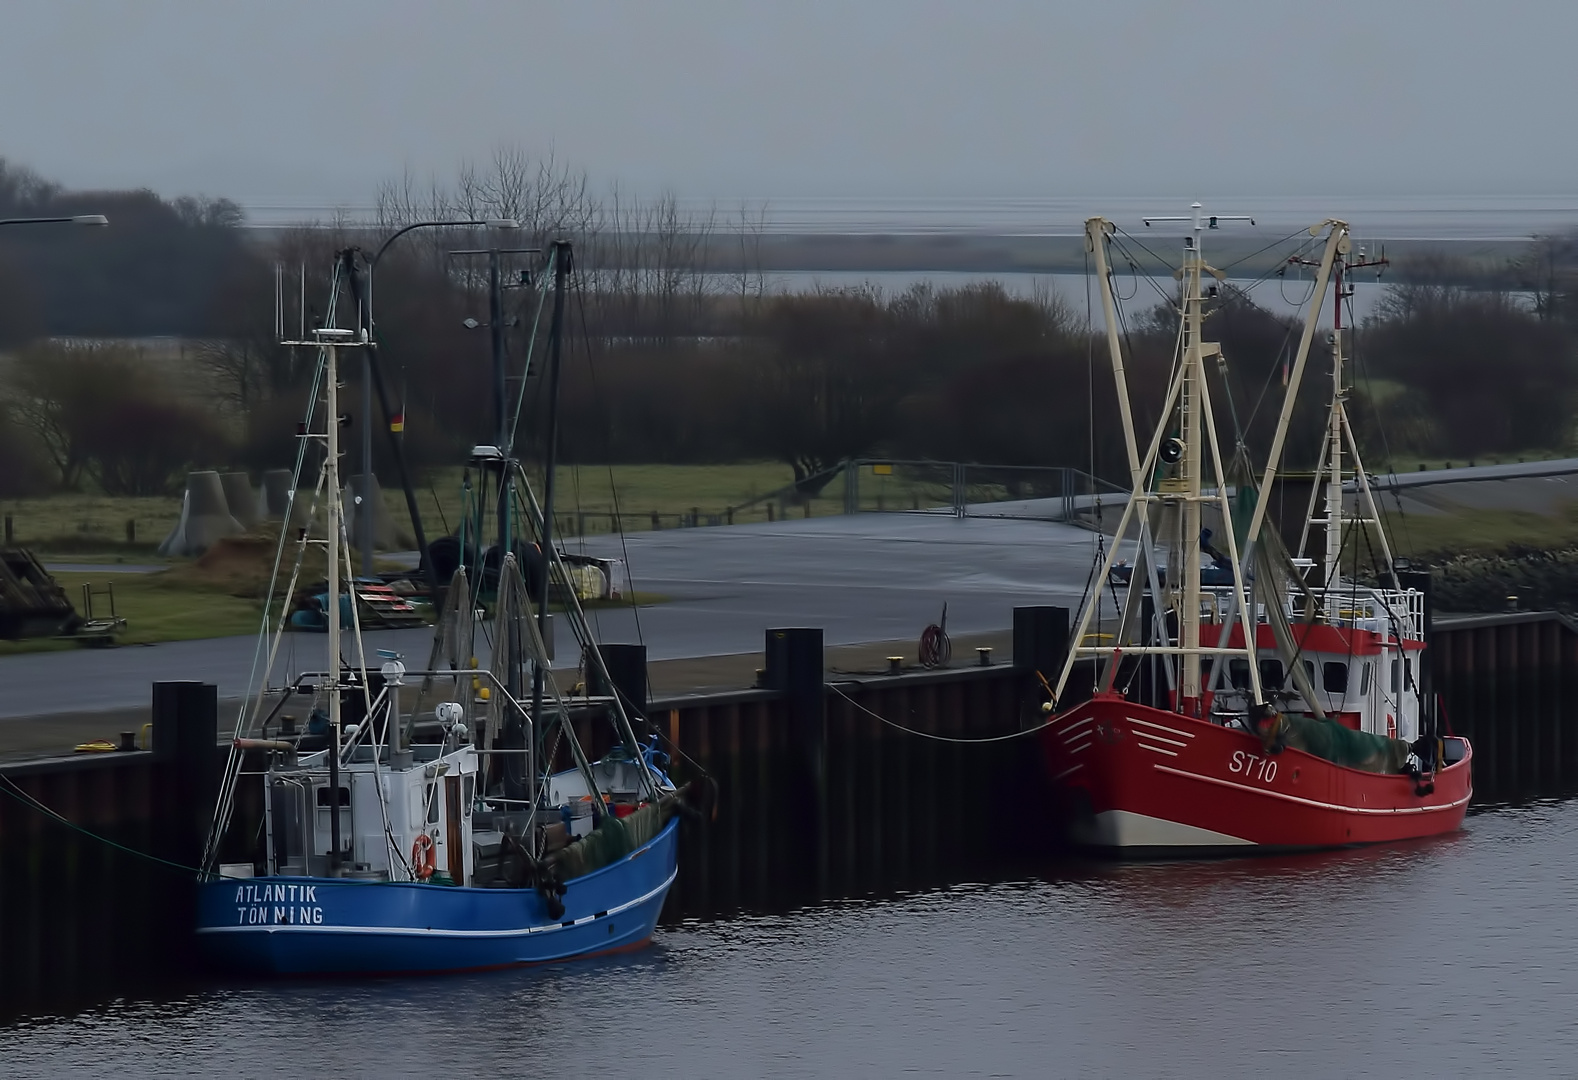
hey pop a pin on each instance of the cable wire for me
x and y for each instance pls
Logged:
(938, 738)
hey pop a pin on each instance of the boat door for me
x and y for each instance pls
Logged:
(454, 843)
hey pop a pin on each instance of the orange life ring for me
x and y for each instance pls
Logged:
(424, 857)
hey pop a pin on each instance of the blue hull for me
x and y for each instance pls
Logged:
(330, 926)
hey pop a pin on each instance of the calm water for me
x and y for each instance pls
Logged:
(1453, 957)
(1135, 294)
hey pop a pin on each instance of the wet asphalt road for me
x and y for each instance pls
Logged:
(866, 577)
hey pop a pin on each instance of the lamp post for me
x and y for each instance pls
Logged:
(365, 517)
(75, 219)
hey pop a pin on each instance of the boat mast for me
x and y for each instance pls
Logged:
(332, 549)
(1189, 407)
(1191, 492)
(1334, 438)
(1340, 431)
(561, 270)
(1097, 230)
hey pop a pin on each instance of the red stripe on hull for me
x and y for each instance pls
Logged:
(1131, 775)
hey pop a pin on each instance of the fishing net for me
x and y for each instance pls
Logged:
(614, 838)
(1343, 746)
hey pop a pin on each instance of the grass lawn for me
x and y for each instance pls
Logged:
(586, 495)
(1421, 535)
(88, 527)
(156, 607)
(76, 522)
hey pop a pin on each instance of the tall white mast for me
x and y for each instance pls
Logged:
(1339, 432)
(1191, 434)
(332, 482)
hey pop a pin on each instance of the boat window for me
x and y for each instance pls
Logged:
(1309, 670)
(1238, 673)
(1271, 674)
(432, 804)
(1364, 679)
(1397, 676)
(324, 796)
(469, 793)
(1334, 676)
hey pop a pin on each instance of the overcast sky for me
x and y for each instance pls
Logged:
(313, 102)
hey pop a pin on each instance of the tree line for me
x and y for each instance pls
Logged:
(671, 359)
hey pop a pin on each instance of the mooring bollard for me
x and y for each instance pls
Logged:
(795, 668)
(186, 736)
(627, 675)
(1040, 646)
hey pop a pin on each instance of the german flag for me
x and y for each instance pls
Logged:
(397, 421)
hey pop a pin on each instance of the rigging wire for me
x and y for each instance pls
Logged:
(578, 282)
(1134, 277)
(1362, 371)
(939, 738)
(1261, 251)
(12, 789)
(1150, 279)
(1282, 286)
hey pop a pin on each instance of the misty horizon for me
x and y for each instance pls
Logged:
(297, 105)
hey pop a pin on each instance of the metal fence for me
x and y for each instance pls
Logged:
(964, 489)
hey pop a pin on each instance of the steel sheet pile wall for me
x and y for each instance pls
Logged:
(1506, 682)
(828, 785)
(81, 919)
(818, 797)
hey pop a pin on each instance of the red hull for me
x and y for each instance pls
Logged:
(1136, 777)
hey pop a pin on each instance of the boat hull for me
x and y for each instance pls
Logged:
(1145, 781)
(333, 926)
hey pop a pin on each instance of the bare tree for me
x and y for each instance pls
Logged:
(750, 282)
(1548, 272)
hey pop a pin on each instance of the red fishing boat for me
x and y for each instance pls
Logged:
(1261, 701)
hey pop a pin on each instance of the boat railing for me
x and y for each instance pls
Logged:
(1396, 613)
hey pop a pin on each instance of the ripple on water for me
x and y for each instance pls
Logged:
(1452, 955)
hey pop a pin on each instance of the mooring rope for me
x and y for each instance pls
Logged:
(939, 738)
(23, 797)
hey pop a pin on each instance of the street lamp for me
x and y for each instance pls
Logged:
(75, 219)
(365, 517)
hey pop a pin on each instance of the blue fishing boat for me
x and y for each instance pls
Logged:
(437, 820)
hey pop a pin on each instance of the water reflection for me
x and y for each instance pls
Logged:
(1441, 955)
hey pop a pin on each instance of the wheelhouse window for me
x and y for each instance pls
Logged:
(1364, 679)
(325, 798)
(1238, 673)
(1334, 677)
(1271, 674)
